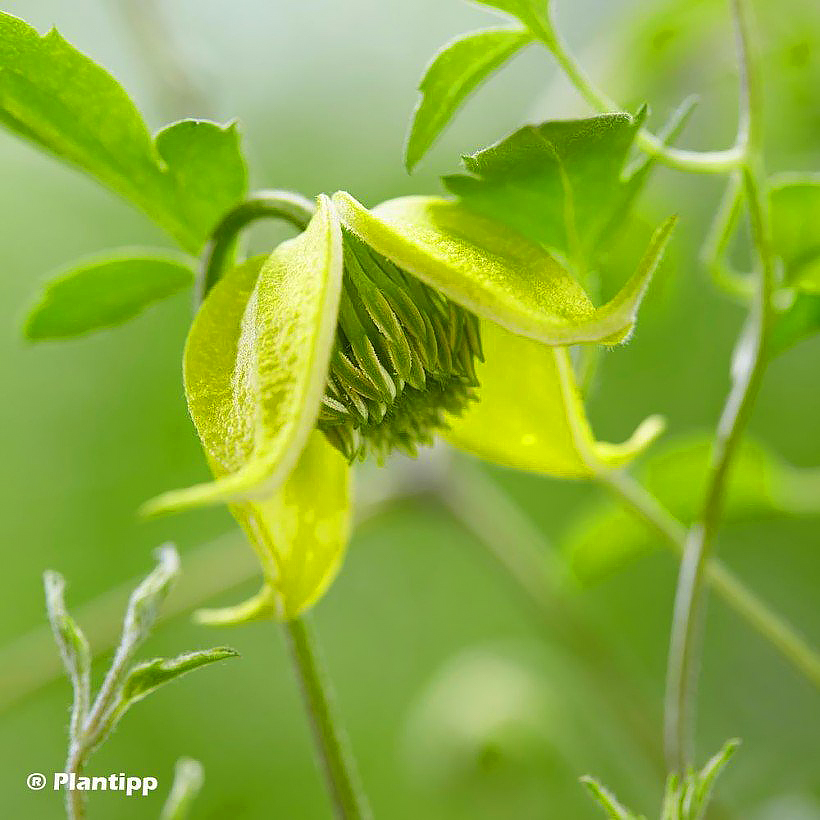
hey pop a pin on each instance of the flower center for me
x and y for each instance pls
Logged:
(403, 359)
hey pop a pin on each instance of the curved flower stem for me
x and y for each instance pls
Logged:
(331, 744)
(340, 771)
(698, 162)
(285, 205)
(749, 365)
(771, 626)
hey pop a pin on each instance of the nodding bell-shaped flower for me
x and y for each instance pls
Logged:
(373, 331)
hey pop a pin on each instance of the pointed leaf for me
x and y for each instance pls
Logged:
(705, 778)
(495, 272)
(256, 364)
(63, 102)
(72, 643)
(147, 598)
(607, 801)
(636, 177)
(531, 417)
(148, 676)
(670, 803)
(455, 72)
(557, 183)
(606, 537)
(205, 169)
(104, 291)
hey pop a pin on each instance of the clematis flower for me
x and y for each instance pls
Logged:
(374, 331)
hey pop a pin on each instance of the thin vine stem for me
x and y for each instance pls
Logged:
(744, 161)
(338, 765)
(699, 162)
(771, 626)
(749, 365)
(331, 742)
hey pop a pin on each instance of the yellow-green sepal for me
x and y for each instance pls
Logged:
(495, 272)
(299, 534)
(529, 414)
(258, 607)
(256, 364)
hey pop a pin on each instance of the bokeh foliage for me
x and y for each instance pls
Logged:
(95, 428)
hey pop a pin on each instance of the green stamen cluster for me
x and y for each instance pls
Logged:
(403, 359)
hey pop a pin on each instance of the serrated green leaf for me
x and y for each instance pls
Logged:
(635, 179)
(204, 166)
(455, 72)
(256, 364)
(607, 537)
(63, 102)
(104, 291)
(495, 272)
(557, 183)
(531, 417)
(532, 13)
(148, 676)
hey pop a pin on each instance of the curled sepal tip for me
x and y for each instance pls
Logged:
(495, 272)
(299, 534)
(530, 415)
(256, 364)
(258, 607)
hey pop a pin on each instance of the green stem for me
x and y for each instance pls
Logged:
(74, 798)
(331, 744)
(749, 365)
(292, 208)
(337, 762)
(771, 626)
(699, 162)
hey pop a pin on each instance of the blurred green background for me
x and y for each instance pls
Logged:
(458, 703)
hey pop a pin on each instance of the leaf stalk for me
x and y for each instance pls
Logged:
(285, 205)
(698, 162)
